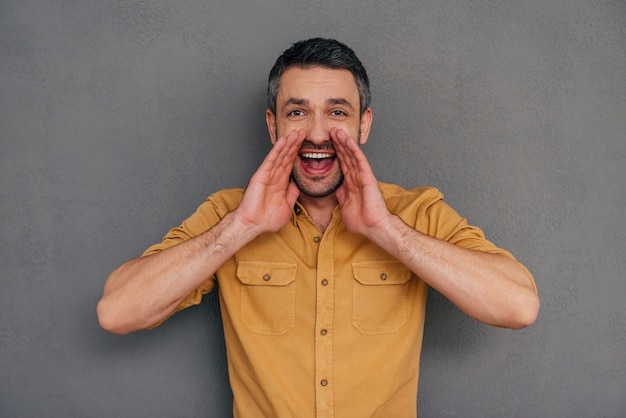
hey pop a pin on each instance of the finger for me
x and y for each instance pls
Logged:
(342, 142)
(288, 153)
(298, 138)
(277, 166)
(272, 170)
(292, 194)
(275, 152)
(354, 163)
(340, 194)
(277, 160)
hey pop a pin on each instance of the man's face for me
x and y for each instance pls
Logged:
(317, 99)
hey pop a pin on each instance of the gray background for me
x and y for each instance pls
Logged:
(117, 118)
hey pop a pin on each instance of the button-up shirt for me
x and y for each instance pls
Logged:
(324, 324)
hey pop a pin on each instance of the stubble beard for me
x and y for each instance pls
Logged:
(314, 188)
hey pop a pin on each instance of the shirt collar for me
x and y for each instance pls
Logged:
(297, 210)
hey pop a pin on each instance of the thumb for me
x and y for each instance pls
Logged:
(340, 194)
(292, 193)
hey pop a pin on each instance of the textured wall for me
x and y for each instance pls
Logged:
(117, 118)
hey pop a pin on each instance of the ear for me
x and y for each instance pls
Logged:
(366, 124)
(270, 119)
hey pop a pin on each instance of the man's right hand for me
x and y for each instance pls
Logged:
(146, 290)
(268, 201)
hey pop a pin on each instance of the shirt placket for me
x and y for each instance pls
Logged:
(325, 290)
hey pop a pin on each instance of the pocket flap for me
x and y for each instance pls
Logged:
(377, 273)
(259, 273)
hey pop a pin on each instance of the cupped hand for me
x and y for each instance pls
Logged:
(360, 198)
(268, 201)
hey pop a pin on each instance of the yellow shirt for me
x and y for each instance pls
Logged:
(324, 325)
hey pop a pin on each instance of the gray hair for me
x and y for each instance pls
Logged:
(319, 52)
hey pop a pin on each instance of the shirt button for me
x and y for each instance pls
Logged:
(316, 239)
(324, 282)
(323, 331)
(383, 276)
(266, 277)
(324, 382)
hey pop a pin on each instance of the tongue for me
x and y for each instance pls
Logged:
(316, 163)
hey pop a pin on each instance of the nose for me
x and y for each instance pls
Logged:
(318, 130)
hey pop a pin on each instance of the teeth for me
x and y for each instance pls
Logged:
(316, 155)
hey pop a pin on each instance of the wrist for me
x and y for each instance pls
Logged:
(385, 229)
(243, 226)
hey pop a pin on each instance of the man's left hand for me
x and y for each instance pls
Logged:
(360, 198)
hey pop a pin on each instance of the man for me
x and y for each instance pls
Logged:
(323, 271)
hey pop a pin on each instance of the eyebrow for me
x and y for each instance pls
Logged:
(331, 101)
(340, 101)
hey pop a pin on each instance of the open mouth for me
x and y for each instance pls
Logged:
(317, 160)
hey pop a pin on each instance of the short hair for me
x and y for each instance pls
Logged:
(324, 53)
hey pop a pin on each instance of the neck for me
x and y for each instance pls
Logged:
(320, 209)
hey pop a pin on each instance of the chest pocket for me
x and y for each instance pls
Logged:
(268, 296)
(379, 292)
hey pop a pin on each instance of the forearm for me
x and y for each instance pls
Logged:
(491, 288)
(146, 290)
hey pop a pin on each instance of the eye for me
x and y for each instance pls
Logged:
(295, 113)
(338, 113)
